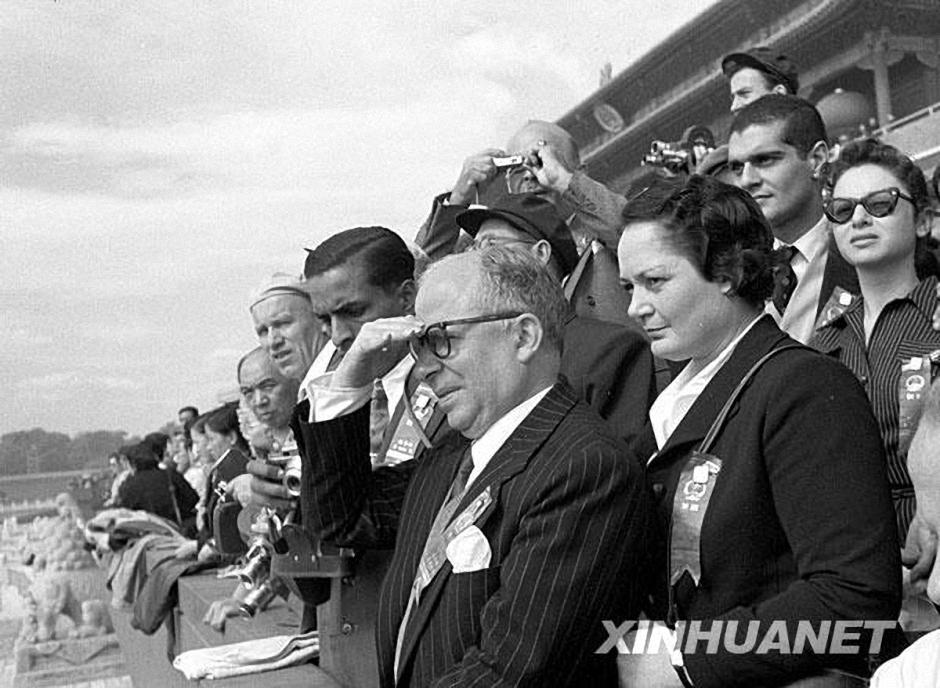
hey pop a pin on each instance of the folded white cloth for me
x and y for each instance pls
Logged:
(249, 657)
(917, 667)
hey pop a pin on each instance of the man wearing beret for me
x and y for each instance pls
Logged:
(609, 365)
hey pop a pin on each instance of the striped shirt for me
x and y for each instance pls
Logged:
(903, 330)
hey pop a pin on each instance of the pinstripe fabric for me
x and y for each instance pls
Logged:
(567, 529)
(903, 330)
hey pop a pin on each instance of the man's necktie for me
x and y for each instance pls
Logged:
(434, 555)
(378, 420)
(784, 277)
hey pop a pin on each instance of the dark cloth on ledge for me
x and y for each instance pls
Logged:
(160, 594)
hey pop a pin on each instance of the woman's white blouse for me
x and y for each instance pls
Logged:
(675, 401)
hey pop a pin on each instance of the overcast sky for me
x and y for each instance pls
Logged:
(159, 159)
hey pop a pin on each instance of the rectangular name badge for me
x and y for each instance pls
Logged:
(469, 515)
(409, 433)
(912, 389)
(696, 486)
(838, 303)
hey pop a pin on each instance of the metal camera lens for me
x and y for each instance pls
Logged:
(256, 568)
(257, 598)
(292, 477)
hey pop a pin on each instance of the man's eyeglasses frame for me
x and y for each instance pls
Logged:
(421, 341)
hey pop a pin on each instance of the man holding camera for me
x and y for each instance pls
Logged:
(270, 398)
(542, 158)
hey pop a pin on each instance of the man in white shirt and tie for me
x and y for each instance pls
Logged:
(504, 529)
(777, 152)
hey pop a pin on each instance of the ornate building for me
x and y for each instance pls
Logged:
(886, 50)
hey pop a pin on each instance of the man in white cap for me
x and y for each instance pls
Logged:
(286, 325)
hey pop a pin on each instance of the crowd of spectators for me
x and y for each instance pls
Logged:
(693, 402)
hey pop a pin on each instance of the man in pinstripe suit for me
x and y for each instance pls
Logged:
(513, 540)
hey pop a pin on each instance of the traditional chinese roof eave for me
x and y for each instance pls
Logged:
(707, 83)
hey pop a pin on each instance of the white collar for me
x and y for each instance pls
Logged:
(486, 445)
(812, 242)
(675, 401)
(320, 363)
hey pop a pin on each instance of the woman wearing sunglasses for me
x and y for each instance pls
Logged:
(879, 216)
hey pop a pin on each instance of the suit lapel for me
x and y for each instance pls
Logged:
(507, 462)
(693, 428)
(575, 277)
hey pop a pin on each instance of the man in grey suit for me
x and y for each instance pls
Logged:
(551, 167)
(514, 540)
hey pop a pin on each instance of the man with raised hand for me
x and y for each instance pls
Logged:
(609, 366)
(502, 529)
(547, 163)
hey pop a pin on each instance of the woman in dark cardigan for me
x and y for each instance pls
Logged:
(788, 521)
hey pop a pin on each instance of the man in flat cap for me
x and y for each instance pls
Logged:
(609, 365)
(757, 72)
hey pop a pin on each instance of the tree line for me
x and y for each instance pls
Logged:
(41, 451)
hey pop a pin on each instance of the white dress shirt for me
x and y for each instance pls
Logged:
(675, 401)
(917, 667)
(328, 402)
(486, 445)
(809, 265)
(317, 368)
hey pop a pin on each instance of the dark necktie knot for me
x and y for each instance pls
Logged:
(783, 255)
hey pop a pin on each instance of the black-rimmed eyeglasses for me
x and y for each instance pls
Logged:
(434, 338)
(878, 204)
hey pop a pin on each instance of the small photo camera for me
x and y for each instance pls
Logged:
(508, 161)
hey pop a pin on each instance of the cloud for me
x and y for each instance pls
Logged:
(120, 334)
(282, 150)
(69, 379)
(225, 357)
(158, 160)
(52, 381)
(23, 337)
